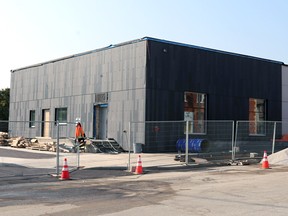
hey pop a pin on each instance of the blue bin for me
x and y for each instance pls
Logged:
(194, 145)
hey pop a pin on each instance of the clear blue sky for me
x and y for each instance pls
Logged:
(34, 31)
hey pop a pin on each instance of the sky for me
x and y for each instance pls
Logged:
(35, 31)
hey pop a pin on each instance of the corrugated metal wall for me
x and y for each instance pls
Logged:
(73, 83)
(229, 80)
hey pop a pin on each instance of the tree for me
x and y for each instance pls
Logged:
(4, 103)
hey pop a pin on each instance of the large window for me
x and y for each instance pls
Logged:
(257, 112)
(32, 118)
(195, 111)
(61, 115)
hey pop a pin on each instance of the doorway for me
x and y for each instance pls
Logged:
(100, 121)
(45, 123)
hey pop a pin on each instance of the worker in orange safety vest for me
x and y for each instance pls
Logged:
(79, 133)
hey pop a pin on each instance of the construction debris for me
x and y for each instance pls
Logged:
(238, 162)
(3, 139)
(182, 158)
(37, 143)
(65, 145)
(20, 142)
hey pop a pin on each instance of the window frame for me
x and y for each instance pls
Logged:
(32, 118)
(195, 105)
(59, 110)
(257, 116)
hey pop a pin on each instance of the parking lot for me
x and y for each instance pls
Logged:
(103, 186)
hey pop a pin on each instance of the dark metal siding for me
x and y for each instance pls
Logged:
(228, 80)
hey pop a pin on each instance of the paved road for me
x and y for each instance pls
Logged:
(8, 152)
(234, 191)
(225, 191)
(12, 172)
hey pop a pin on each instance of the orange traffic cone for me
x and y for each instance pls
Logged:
(65, 171)
(139, 169)
(265, 163)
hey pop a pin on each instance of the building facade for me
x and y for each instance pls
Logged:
(147, 80)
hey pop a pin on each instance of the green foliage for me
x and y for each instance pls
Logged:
(4, 103)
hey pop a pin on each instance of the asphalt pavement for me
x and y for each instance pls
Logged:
(15, 153)
(13, 171)
(103, 186)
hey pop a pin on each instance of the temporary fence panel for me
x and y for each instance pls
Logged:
(158, 136)
(280, 136)
(181, 141)
(253, 138)
(39, 150)
(211, 140)
(68, 147)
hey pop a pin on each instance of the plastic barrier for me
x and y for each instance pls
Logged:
(194, 145)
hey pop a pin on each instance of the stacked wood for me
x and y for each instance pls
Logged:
(20, 142)
(43, 144)
(40, 144)
(37, 143)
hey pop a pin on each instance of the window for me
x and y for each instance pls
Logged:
(61, 115)
(195, 111)
(32, 118)
(257, 108)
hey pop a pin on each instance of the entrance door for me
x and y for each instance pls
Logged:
(46, 123)
(100, 121)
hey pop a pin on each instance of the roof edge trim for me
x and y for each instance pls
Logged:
(144, 39)
(79, 54)
(210, 49)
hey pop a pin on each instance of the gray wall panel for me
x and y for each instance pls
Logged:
(73, 83)
(284, 97)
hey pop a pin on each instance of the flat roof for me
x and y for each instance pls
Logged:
(111, 46)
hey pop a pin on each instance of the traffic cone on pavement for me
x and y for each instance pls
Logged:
(65, 171)
(139, 169)
(265, 163)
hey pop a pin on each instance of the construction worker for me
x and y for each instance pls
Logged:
(79, 133)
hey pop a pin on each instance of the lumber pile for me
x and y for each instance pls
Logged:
(19, 142)
(37, 143)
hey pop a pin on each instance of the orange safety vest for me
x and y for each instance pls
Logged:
(79, 133)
